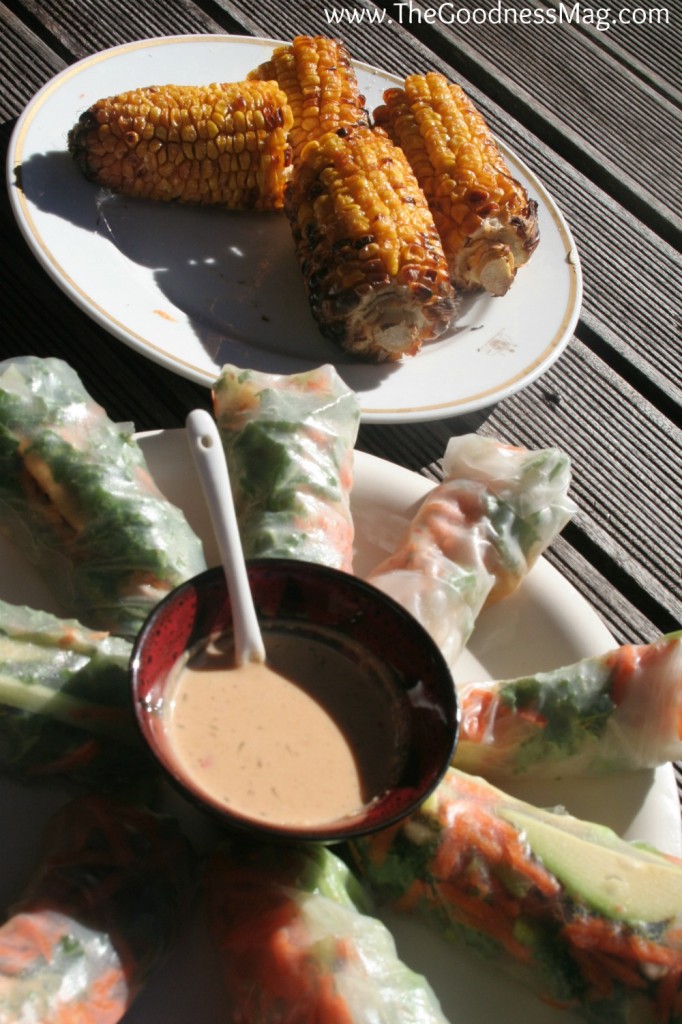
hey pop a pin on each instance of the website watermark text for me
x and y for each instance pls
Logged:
(450, 13)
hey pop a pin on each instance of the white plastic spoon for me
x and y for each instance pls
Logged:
(209, 458)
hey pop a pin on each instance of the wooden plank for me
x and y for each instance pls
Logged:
(621, 446)
(419, 449)
(626, 622)
(26, 64)
(647, 39)
(79, 29)
(624, 263)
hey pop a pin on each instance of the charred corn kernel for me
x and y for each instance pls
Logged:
(372, 260)
(484, 216)
(320, 85)
(187, 144)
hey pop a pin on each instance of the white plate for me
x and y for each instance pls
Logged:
(547, 623)
(194, 289)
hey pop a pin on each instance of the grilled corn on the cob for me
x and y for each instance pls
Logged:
(373, 263)
(222, 143)
(320, 85)
(484, 216)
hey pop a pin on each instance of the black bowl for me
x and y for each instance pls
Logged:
(357, 617)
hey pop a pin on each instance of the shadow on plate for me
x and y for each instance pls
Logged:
(233, 275)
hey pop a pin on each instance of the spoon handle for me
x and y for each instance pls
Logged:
(209, 459)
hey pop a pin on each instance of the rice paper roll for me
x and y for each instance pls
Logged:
(99, 915)
(295, 943)
(620, 711)
(289, 441)
(77, 498)
(65, 706)
(476, 535)
(588, 921)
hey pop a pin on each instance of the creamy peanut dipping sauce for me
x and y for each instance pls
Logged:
(305, 739)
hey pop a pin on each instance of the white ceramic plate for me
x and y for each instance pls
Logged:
(547, 623)
(194, 289)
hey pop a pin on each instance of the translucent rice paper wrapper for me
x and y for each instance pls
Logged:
(65, 704)
(295, 943)
(289, 442)
(616, 712)
(77, 498)
(100, 913)
(476, 535)
(586, 920)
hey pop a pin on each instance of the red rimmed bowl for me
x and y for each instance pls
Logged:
(358, 620)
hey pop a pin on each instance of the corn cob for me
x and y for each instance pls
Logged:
(373, 263)
(320, 85)
(224, 144)
(484, 216)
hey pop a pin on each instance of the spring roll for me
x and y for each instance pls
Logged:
(587, 920)
(288, 441)
(77, 498)
(475, 537)
(65, 706)
(620, 711)
(295, 943)
(99, 915)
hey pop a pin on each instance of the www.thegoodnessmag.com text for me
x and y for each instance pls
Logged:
(406, 12)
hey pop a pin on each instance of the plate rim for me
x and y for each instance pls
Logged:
(370, 413)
